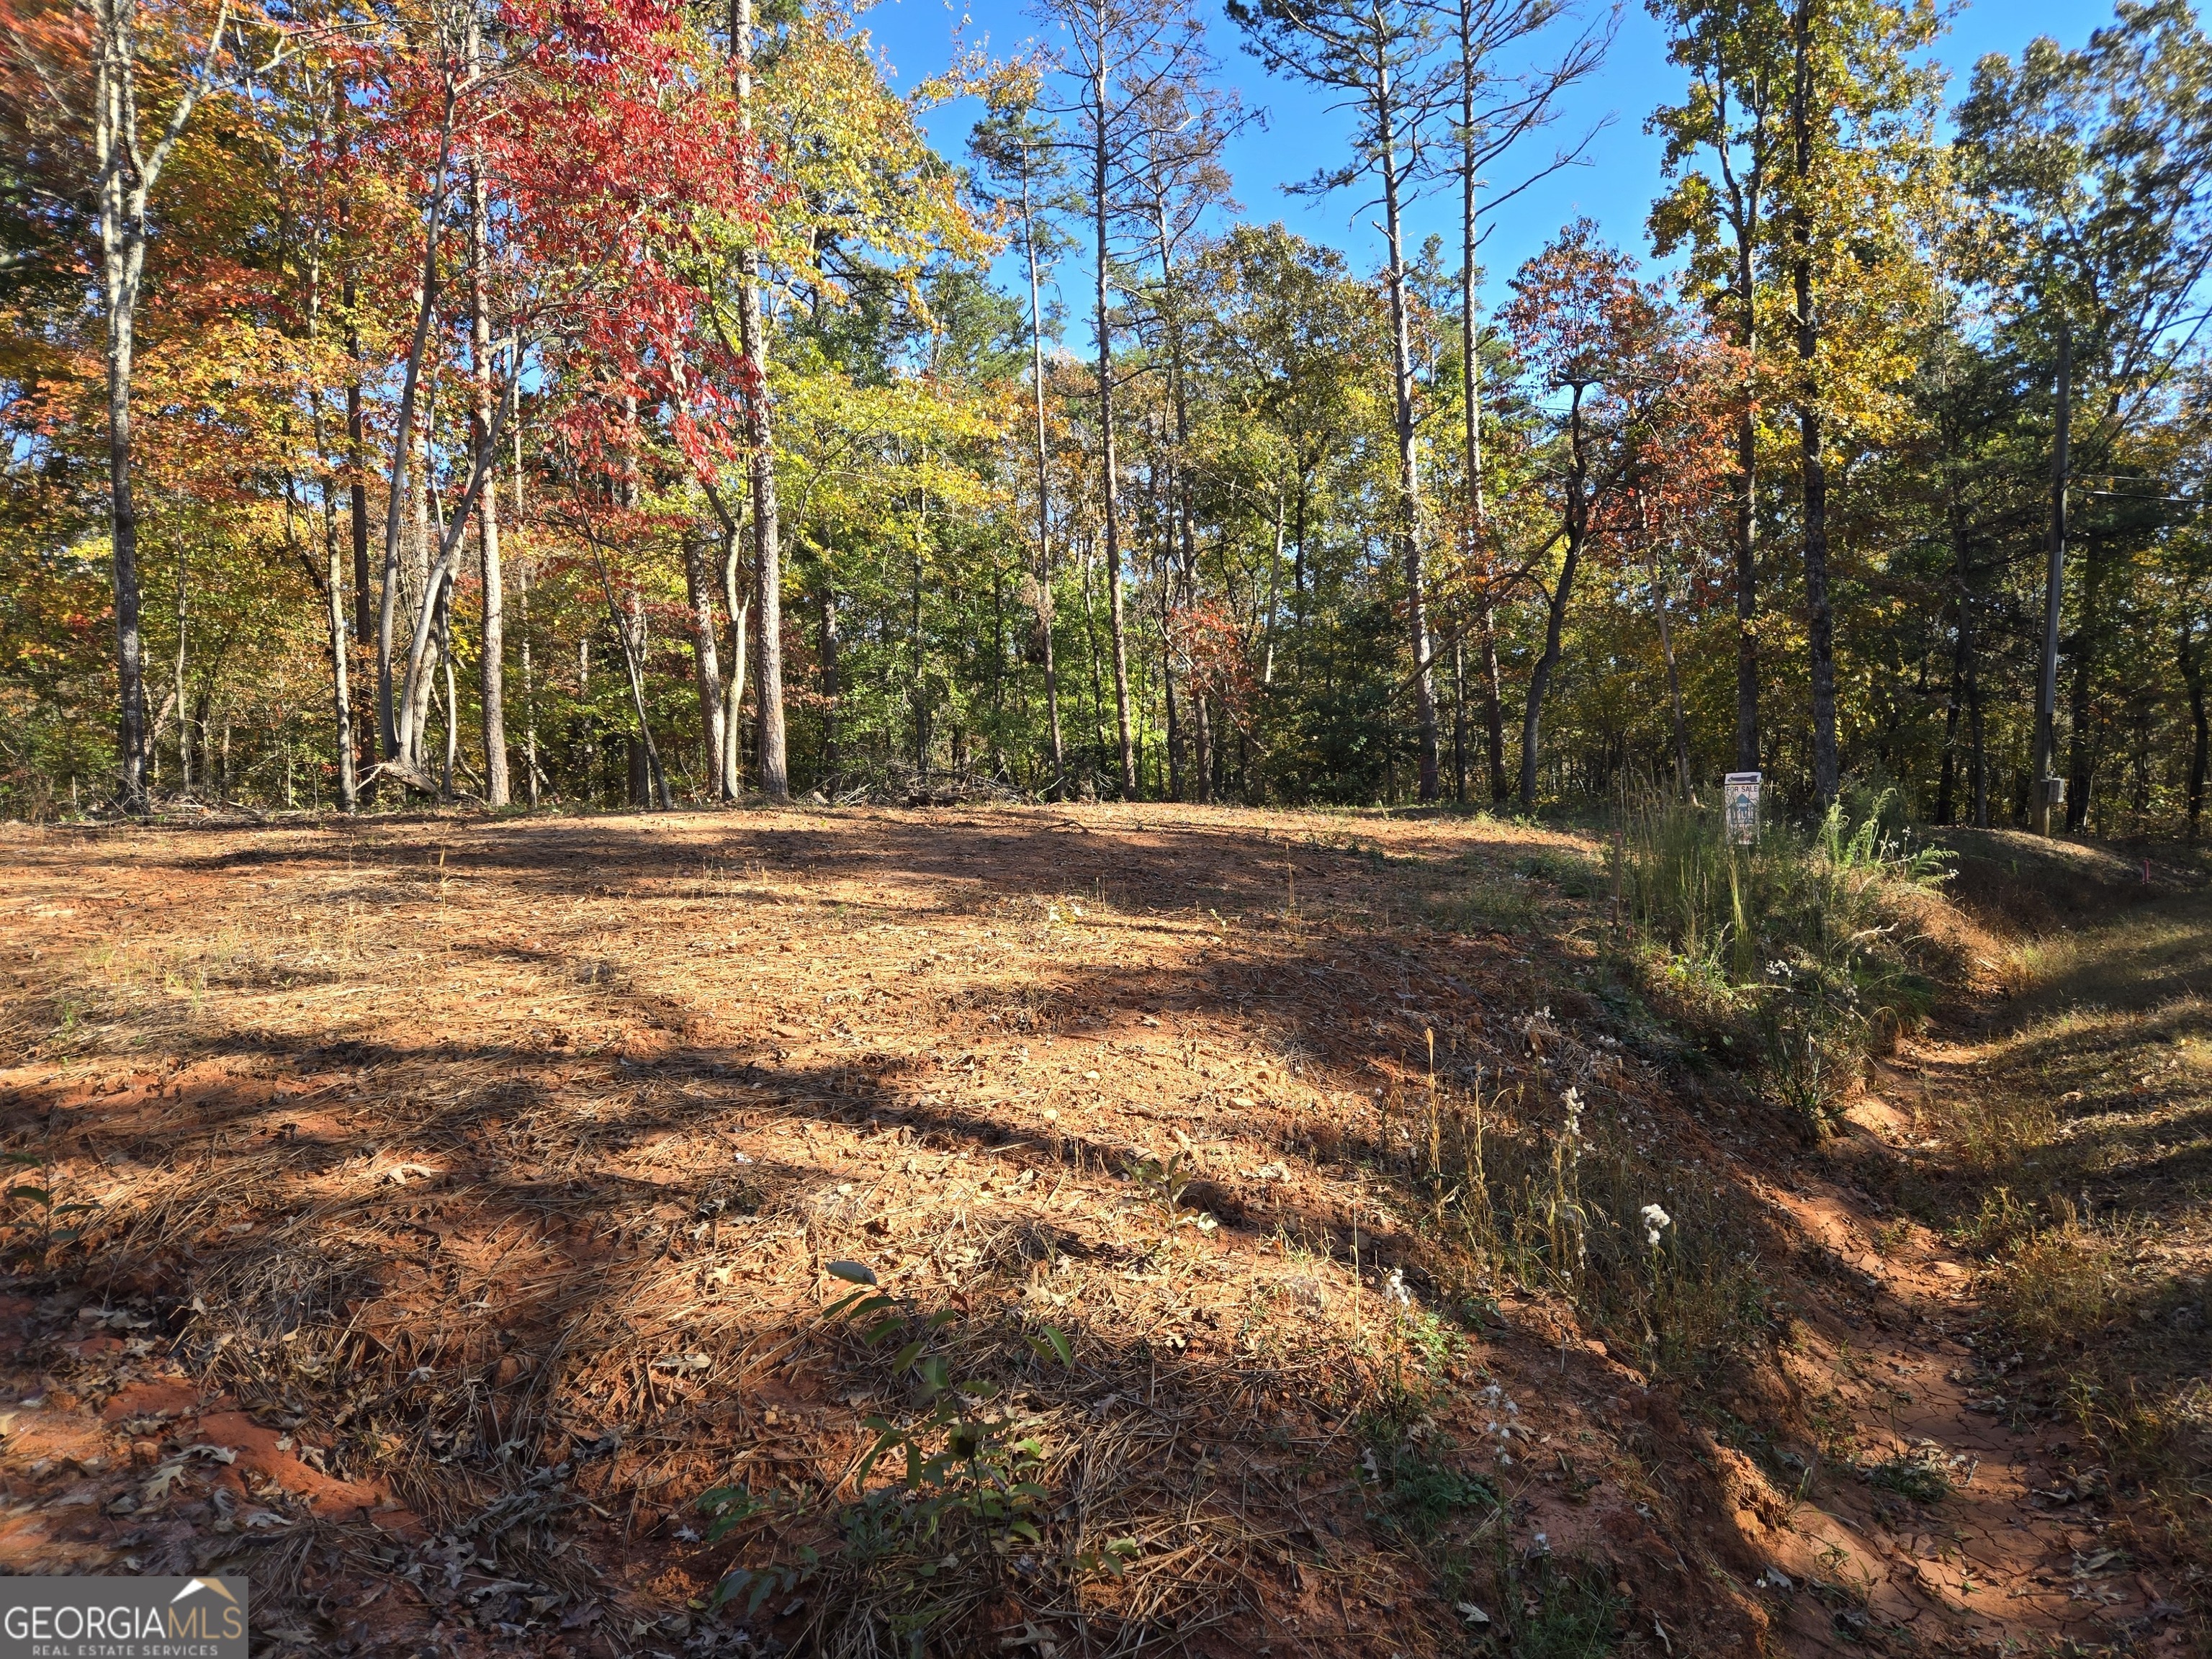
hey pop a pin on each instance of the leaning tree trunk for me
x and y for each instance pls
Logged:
(624, 635)
(740, 614)
(1562, 593)
(402, 438)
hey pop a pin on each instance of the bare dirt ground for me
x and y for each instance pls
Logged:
(423, 1215)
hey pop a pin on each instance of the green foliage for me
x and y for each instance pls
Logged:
(949, 1488)
(1459, 1523)
(1924, 1476)
(44, 1202)
(934, 560)
(1794, 937)
(1423, 1494)
(1570, 1611)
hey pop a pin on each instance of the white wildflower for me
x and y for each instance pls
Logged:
(1394, 1289)
(1575, 1139)
(1655, 1221)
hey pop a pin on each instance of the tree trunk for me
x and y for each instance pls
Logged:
(1043, 487)
(1540, 678)
(2192, 675)
(437, 585)
(706, 661)
(1667, 650)
(827, 600)
(122, 256)
(177, 682)
(333, 571)
(357, 484)
(1745, 196)
(492, 655)
(1409, 473)
(767, 558)
(402, 451)
(740, 615)
(1819, 618)
(529, 769)
(356, 444)
(1746, 591)
(2089, 638)
(1091, 653)
(627, 630)
(452, 696)
(1459, 720)
(1471, 400)
(1116, 626)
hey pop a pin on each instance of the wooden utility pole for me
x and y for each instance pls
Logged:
(2046, 685)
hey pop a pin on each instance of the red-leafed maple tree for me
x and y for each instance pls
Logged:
(604, 137)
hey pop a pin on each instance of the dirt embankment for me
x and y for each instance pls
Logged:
(435, 1211)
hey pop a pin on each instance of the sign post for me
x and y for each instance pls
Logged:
(1739, 808)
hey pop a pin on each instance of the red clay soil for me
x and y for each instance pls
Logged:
(460, 1199)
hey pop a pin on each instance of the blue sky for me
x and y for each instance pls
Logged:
(1616, 187)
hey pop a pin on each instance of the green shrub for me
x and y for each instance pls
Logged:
(1792, 940)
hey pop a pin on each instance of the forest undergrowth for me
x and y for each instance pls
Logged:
(1057, 1231)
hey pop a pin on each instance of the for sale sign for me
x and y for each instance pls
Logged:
(1740, 807)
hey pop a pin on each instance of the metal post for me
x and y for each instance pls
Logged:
(2046, 685)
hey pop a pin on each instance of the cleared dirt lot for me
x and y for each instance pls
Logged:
(464, 1200)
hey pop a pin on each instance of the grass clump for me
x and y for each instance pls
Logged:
(1559, 1610)
(1422, 1497)
(1924, 1475)
(1794, 941)
(1531, 1604)
(1657, 1258)
(2057, 1287)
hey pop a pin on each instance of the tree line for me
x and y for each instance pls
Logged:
(622, 401)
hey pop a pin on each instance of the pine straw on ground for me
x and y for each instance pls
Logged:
(459, 1199)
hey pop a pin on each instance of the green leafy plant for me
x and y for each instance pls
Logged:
(45, 1204)
(1165, 1182)
(1924, 1475)
(1794, 941)
(964, 1489)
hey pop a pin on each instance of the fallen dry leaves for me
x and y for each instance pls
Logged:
(463, 1196)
